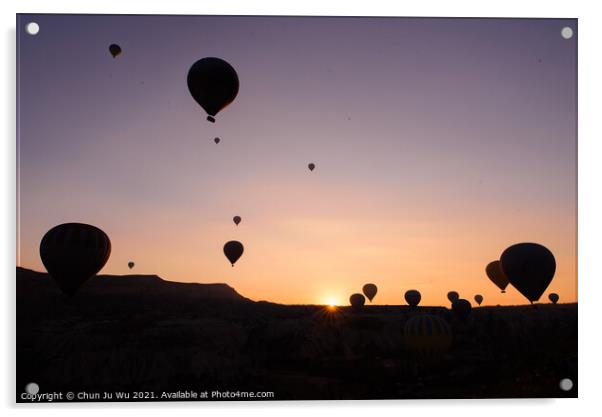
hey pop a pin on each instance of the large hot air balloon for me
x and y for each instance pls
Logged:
(553, 297)
(233, 250)
(427, 334)
(452, 296)
(461, 308)
(357, 301)
(115, 50)
(216, 140)
(413, 297)
(369, 291)
(530, 268)
(213, 84)
(131, 264)
(478, 298)
(236, 220)
(74, 252)
(496, 275)
(311, 166)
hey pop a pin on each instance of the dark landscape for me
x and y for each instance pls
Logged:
(140, 333)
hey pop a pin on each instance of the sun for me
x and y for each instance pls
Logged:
(331, 303)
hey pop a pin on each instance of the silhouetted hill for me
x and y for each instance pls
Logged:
(142, 333)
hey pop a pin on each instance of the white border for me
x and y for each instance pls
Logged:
(590, 204)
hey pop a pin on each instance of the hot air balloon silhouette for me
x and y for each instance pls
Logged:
(233, 251)
(236, 220)
(452, 296)
(496, 275)
(412, 297)
(357, 301)
(311, 166)
(461, 308)
(553, 297)
(478, 298)
(213, 84)
(530, 268)
(369, 291)
(115, 50)
(74, 252)
(427, 334)
(216, 140)
(131, 264)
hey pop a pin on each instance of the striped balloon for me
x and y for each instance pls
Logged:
(74, 252)
(427, 334)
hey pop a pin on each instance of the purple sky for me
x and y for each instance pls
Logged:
(437, 143)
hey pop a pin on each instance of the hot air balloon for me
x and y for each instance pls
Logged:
(216, 140)
(213, 84)
(311, 166)
(427, 334)
(553, 297)
(236, 220)
(478, 298)
(369, 291)
(233, 250)
(115, 50)
(461, 308)
(74, 252)
(130, 264)
(412, 297)
(530, 268)
(452, 296)
(496, 275)
(357, 301)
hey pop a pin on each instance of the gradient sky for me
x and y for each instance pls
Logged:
(437, 144)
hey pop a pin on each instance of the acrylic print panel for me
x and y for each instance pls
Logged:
(278, 208)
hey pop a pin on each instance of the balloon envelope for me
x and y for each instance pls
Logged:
(427, 334)
(478, 298)
(236, 220)
(130, 264)
(452, 296)
(233, 251)
(369, 291)
(114, 49)
(216, 140)
(357, 301)
(461, 308)
(496, 275)
(553, 297)
(213, 84)
(74, 252)
(412, 297)
(530, 268)
(311, 166)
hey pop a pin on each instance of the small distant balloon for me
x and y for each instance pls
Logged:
(357, 301)
(553, 297)
(478, 298)
(131, 264)
(216, 140)
(496, 275)
(461, 308)
(74, 252)
(311, 166)
(452, 296)
(413, 297)
(115, 50)
(530, 268)
(213, 83)
(369, 291)
(236, 220)
(233, 251)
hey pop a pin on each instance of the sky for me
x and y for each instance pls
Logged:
(437, 142)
